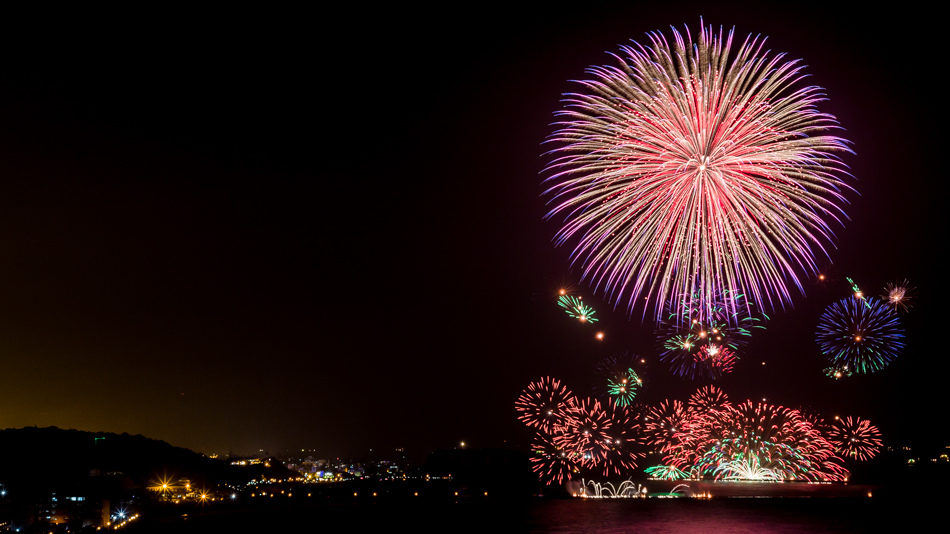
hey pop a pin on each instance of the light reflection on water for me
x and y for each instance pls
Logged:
(600, 516)
(688, 516)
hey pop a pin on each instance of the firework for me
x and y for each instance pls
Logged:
(623, 447)
(709, 361)
(622, 389)
(575, 307)
(863, 339)
(856, 438)
(553, 464)
(544, 404)
(622, 382)
(700, 341)
(665, 472)
(585, 431)
(898, 295)
(695, 167)
(759, 441)
(661, 424)
(708, 399)
(858, 294)
(837, 372)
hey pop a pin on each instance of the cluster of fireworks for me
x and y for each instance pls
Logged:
(575, 435)
(706, 437)
(702, 341)
(699, 183)
(861, 334)
(710, 437)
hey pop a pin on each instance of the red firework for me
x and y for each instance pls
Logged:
(585, 432)
(553, 464)
(544, 404)
(623, 446)
(663, 422)
(752, 440)
(709, 398)
(856, 438)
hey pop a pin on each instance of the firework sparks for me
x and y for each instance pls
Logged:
(858, 338)
(693, 168)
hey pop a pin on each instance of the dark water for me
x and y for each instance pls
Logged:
(902, 516)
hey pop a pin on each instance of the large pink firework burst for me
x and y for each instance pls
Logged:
(544, 404)
(856, 438)
(694, 167)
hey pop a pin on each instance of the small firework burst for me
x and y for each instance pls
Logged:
(623, 388)
(856, 438)
(576, 308)
(864, 335)
(544, 404)
(838, 372)
(553, 464)
(899, 294)
(708, 399)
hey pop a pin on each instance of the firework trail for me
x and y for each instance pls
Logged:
(696, 166)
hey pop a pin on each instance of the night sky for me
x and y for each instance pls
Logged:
(323, 229)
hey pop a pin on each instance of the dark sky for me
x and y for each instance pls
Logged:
(322, 229)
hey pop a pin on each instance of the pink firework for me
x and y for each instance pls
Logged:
(544, 404)
(856, 438)
(696, 167)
